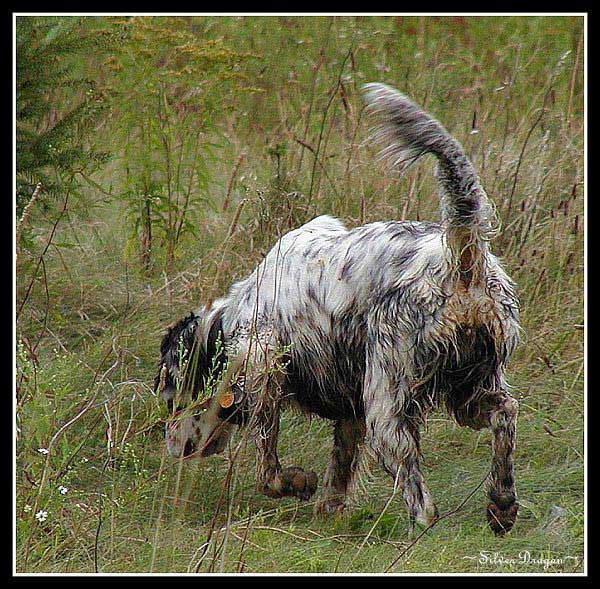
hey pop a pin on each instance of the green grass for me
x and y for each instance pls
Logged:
(93, 338)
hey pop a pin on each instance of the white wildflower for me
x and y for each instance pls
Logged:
(41, 515)
(27, 508)
(62, 490)
(43, 451)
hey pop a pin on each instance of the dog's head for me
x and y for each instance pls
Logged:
(198, 431)
(190, 366)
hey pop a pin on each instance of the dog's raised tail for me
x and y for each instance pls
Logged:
(408, 132)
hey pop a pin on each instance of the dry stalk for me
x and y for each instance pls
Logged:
(25, 216)
(234, 174)
(435, 522)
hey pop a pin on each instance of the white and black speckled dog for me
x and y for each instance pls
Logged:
(369, 327)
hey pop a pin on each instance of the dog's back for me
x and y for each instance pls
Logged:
(427, 284)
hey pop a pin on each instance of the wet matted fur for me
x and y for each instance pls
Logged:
(369, 327)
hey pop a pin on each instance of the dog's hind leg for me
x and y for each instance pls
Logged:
(348, 435)
(263, 379)
(497, 411)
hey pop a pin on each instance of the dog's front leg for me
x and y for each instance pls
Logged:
(392, 420)
(272, 479)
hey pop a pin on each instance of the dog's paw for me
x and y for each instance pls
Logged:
(297, 482)
(330, 506)
(422, 519)
(502, 513)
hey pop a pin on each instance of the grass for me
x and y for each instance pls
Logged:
(89, 329)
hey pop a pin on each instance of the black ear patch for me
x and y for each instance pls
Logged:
(184, 330)
(215, 350)
(203, 364)
(182, 334)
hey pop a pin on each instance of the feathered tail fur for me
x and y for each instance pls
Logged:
(409, 132)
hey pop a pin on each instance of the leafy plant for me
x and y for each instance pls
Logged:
(165, 82)
(56, 104)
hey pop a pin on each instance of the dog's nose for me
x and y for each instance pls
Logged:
(189, 448)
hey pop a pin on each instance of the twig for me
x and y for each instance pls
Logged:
(312, 150)
(62, 429)
(325, 113)
(385, 508)
(435, 522)
(573, 79)
(236, 219)
(52, 233)
(543, 111)
(25, 216)
(224, 490)
(234, 174)
(312, 92)
(520, 160)
(97, 534)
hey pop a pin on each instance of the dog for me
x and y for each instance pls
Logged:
(370, 328)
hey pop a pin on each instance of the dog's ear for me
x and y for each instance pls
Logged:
(183, 333)
(160, 374)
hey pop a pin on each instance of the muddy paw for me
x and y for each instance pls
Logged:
(298, 482)
(502, 513)
(423, 519)
(331, 506)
